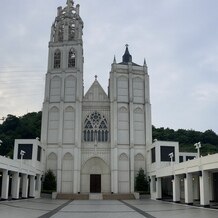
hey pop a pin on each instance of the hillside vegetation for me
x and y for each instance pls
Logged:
(28, 126)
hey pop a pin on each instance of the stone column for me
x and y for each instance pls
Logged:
(5, 185)
(115, 170)
(75, 171)
(153, 187)
(196, 188)
(32, 187)
(79, 170)
(176, 189)
(158, 188)
(132, 178)
(15, 185)
(39, 184)
(188, 184)
(25, 183)
(59, 174)
(204, 189)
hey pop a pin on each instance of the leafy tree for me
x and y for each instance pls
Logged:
(24, 127)
(187, 139)
(49, 183)
(141, 182)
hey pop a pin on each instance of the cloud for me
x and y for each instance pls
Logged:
(178, 38)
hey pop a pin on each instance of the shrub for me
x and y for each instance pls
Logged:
(49, 183)
(141, 182)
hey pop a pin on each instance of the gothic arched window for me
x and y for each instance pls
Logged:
(95, 128)
(71, 32)
(57, 59)
(61, 32)
(72, 58)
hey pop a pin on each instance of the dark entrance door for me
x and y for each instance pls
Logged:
(95, 183)
(215, 185)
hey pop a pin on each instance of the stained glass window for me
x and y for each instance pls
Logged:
(95, 128)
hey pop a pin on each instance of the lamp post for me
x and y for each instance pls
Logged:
(21, 158)
(198, 146)
(171, 155)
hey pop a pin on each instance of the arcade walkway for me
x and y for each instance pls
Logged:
(45, 208)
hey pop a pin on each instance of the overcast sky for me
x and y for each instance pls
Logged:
(178, 38)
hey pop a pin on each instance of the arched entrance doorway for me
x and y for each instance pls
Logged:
(95, 176)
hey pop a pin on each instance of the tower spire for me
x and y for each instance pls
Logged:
(127, 57)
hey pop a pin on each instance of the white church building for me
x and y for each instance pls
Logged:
(95, 142)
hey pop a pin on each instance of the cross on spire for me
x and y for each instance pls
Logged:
(70, 3)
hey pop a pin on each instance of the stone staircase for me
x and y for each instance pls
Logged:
(73, 196)
(96, 196)
(118, 197)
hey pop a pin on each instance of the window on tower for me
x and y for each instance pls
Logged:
(95, 128)
(57, 59)
(71, 58)
(71, 32)
(61, 32)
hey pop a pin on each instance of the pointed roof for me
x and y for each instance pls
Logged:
(127, 57)
(96, 92)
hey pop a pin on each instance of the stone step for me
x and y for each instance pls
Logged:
(118, 196)
(73, 196)
(95, 196)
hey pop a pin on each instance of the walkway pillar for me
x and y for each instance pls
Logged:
(158, 188)
(196, 188)
(39, 182)
(204, 189)
(15, 186)
(5, 185)
(153, 187)
(188, 184)
(25, 182)
(32, 187)
(176, 189)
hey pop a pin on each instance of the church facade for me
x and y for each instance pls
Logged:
(95, 141)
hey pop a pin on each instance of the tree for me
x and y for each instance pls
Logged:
(24, 127)
(141, 182)
(49, 183)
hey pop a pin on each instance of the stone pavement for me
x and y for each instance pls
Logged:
(45, 208)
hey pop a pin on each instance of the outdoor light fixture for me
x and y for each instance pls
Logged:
(22, 153)
(198, 146)
(171, 155)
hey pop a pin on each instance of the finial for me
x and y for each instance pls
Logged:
(70, 3)
(115, 60)
(127, 45)
(145, 64)
(96, 77)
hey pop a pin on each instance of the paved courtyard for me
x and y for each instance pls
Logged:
(45, 208)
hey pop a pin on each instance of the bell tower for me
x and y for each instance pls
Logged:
(62, 107)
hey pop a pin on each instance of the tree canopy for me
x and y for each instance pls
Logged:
(24, 127)
(187, 139)
(28, 126)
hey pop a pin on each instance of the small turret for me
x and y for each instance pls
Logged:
(114, 60)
